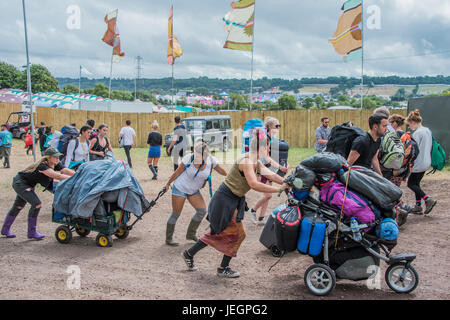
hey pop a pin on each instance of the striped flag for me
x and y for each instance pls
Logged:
(174, 49)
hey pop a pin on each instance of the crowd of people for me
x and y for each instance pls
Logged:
(225, 211)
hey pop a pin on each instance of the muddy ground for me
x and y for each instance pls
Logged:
(143, 267)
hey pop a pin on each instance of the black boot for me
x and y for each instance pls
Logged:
(152, 169)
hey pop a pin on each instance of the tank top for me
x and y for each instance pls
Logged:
(236, 181)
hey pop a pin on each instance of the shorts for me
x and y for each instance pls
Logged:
(177, 192)
(154, 152)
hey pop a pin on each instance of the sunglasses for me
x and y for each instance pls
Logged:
(278, 126)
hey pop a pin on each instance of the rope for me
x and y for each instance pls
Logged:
(342, 208)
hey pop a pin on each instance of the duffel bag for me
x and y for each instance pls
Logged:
(287, 225)
(312, 235)
(324, 162)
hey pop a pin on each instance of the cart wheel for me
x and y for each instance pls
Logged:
(320, 279)
(122, 232)
(104, 240)
(63, 234)
(82, 232)
(400, 278)
(276, 251)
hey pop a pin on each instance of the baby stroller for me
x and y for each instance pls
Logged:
(343, 256)
(100, 197)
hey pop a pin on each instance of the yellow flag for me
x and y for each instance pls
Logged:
(174, 49)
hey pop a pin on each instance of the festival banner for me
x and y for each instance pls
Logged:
(347, 39)
(111, 36)
(174, 49)
(239, 24)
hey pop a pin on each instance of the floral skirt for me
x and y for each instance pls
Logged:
(229, 240)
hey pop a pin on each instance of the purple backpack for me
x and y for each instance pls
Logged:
(355, 206)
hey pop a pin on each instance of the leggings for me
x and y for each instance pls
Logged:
(25, 193)
(414, 184)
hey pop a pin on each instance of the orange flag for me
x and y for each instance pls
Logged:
(112, 37)
(174, 49)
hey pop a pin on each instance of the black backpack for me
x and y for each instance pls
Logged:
(341, 139)
(68, 133)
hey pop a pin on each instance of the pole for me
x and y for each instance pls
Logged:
(110, 75)
(112, 56)
(79, 90)
(362, 52)
(29, 81)
(253, 43)
(172, 81)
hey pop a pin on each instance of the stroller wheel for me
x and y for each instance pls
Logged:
(82, 232)
(320, 279)
(122, 232)
(400, 278)
(276, 251)
(104, 240)
(63, 234)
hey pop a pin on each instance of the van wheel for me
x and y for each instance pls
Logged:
(225, 145)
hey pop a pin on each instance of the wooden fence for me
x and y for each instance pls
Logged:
(297, 126)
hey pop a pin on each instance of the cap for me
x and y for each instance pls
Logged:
(52, 152)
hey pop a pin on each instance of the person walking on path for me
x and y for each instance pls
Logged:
(365, 149)
(322, 135)
(272, 126)
(5, 145)
(226, 209)
(154, 141)
(424, 140)
(178, 146)
(128, 137)
(40, 136)
(99, 145)
(78, 149)
(42, 172)
(187, 180)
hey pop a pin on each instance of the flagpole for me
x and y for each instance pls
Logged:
(30, 105)
(79, 91)
(173, 60)
(110, 75)
(362, 52)
(253, 42)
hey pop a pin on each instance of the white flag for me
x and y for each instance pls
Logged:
(85, 71)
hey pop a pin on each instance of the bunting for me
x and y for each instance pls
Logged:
(347, 39)
(239, 24)
(112, 37)
(174, 49)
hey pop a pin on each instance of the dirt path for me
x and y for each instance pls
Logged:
(143, 267)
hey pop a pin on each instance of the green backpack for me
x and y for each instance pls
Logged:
(437, 157)
(392, 151)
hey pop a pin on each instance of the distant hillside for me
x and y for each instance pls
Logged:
(236, 85)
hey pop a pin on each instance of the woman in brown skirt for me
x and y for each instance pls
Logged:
(226, 209)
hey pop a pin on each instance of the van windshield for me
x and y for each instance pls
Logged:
(195, 124)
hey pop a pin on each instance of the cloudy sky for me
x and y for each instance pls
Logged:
(411, 37)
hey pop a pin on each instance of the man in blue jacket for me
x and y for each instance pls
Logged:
(5, 145)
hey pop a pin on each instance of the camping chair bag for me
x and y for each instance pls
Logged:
(370, 184)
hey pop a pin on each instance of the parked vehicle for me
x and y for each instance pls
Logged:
(18, 124)
(214, 130)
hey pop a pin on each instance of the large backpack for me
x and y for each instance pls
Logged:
(68, 133)
(341, 139)
(437, 157)
(411, 153)
(48, 138)
(247, 131)
(392, 151)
